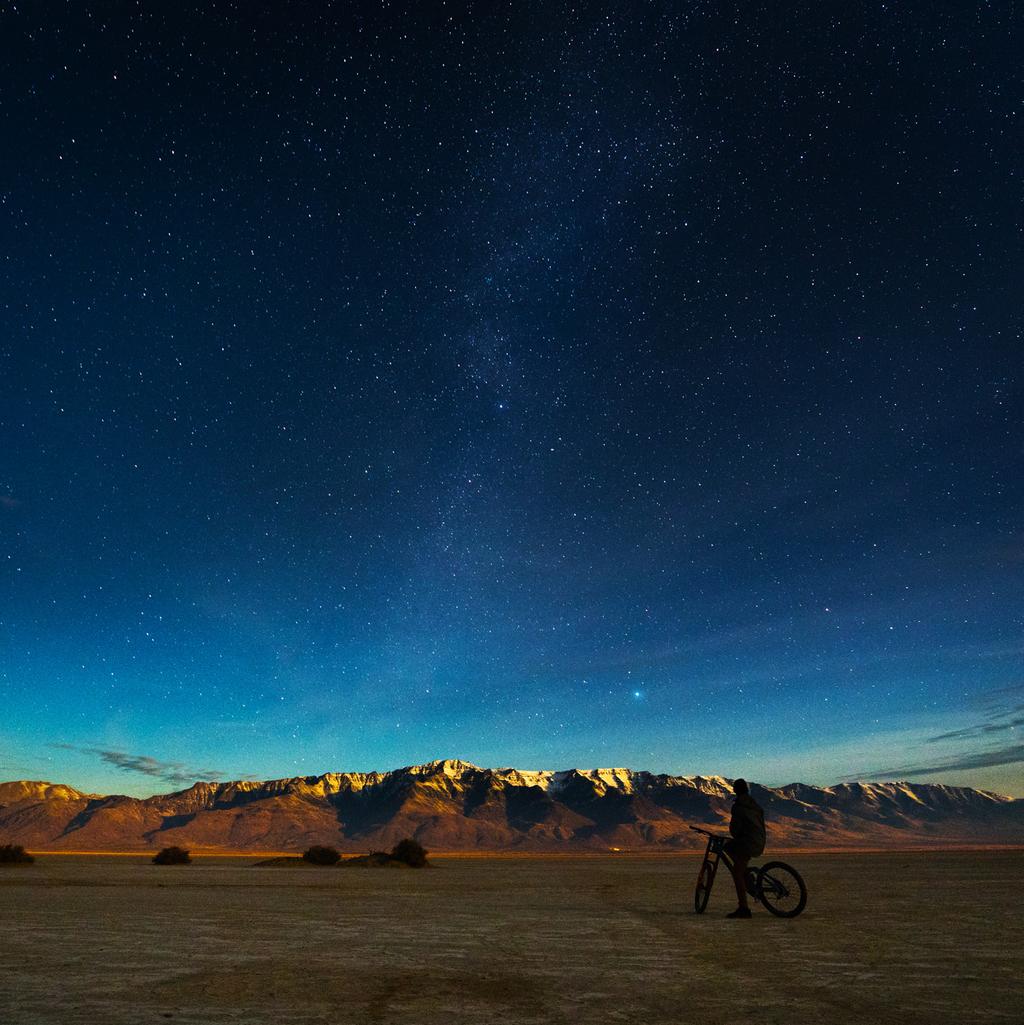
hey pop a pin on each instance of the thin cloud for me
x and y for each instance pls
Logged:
(1001, 700)
(9, 502)
(999, 710)
(980, 730)
(1012, 754)
(170, 772)
(1013, 688)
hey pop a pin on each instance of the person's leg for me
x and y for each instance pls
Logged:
(738, 866)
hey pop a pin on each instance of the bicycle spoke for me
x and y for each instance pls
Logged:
(782, 890)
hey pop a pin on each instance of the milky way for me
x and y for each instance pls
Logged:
(534, 384)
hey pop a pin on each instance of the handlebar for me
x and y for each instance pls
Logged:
(716, 836)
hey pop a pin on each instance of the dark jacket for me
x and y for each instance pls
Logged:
(747, 825)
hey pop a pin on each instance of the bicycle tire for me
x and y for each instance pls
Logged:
(702, 891)
(781, 889)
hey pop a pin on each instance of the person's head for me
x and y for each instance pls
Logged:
(740, 788)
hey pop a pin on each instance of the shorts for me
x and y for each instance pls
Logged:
(738, 851)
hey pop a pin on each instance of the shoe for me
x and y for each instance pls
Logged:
(740, 913)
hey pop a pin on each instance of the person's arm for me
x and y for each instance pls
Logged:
(735, 826)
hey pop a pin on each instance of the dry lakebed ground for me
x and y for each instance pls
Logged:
(894, 937)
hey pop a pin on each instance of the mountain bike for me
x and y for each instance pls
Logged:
(776, 885)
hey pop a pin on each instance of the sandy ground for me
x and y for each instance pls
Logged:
(886, 938)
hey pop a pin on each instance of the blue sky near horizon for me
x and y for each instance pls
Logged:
(538, 386)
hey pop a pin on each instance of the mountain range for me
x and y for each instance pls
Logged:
(455, 806)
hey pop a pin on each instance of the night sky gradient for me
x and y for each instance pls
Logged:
(538, 384)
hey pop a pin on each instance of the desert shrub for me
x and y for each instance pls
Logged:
(15, 854)
(410, 852)
(173, 856)
(318, 855)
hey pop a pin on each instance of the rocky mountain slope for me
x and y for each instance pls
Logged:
(455, 806)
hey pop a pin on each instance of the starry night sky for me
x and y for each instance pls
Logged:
(538, 384)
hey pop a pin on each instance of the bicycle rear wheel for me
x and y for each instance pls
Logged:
(705, 880)
(782, 890)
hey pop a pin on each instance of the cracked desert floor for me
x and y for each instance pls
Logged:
(922, 937)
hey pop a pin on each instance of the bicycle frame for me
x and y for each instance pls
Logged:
(716, 846)
(714, 854)
(776, 885)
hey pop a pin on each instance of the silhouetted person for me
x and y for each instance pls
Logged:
(747, 829)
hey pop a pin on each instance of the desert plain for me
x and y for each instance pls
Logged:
(927, 937)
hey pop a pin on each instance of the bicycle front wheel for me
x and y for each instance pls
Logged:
(782, 890)
(705, 880)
